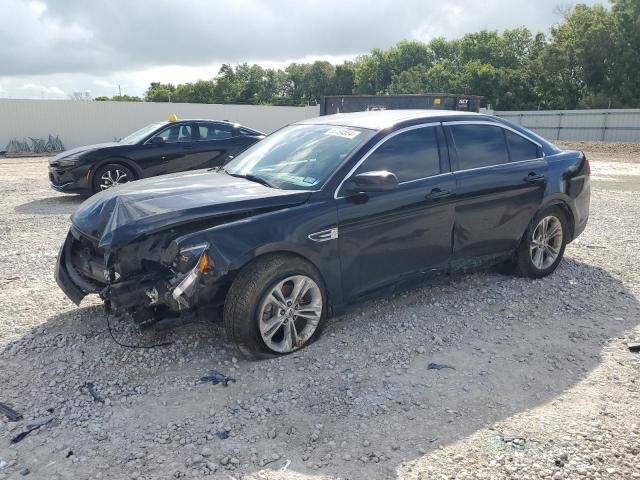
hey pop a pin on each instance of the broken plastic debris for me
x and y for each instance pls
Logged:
(633, 346)
(92, 391)
(31, 426)
(438, 366)
(10, 413)
(216, 377)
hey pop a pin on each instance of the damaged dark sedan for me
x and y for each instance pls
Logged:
(326, 213)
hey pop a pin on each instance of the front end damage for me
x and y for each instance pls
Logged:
(145, 246)
(150, 279)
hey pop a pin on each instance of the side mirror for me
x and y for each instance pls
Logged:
(157, 141)
(377, 181)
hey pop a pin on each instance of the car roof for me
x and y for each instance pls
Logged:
(380, 119)
(182, 120)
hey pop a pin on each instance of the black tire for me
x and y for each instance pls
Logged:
(117, 170)
(251, 285)
(524, 265)
(507, 267)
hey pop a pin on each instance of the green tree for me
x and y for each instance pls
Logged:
(625, 59)
(119, 98)
(344, 79)
(159, 92)
(297, 73)
(372, 73)
(319, 80)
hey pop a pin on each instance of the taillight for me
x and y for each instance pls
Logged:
(587, 167)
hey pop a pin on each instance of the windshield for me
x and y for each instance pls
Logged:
(138, 135)
(299, 157)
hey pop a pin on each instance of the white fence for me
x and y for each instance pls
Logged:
(84, 122)
(598, 125)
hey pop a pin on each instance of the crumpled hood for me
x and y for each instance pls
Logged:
(120, 215)
(74, 152)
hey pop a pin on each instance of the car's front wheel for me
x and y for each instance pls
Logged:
(111, 175)
(276, 305)
(542, 248)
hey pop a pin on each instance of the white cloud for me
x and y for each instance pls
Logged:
(102, 83)
(81, 45)
(34, 90)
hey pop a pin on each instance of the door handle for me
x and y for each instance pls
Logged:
(437, 194)
(533, 177)
(188, 147)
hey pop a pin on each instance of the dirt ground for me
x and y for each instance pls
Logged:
(542, 384)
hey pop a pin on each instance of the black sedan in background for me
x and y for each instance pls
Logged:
(326, 213)
(159, 148)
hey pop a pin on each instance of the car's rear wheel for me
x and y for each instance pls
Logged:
(275, 306)
(111, 175)
(542, 248)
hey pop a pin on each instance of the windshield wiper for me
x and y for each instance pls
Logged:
(253, 178)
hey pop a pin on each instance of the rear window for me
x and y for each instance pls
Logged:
(479, 146)
(520, 147)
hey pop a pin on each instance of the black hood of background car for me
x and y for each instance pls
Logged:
(75, 152)
(120, 215)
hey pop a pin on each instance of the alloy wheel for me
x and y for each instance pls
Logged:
(111, 178)
(546, 242)
(289, 313)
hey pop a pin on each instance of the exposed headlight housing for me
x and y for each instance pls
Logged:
(192, 261)
(188, 257)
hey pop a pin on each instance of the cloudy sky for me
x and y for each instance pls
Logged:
(51, 48)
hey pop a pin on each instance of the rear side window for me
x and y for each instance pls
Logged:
(410, 155)
(215, 131)
(521, 148)
(479, 146)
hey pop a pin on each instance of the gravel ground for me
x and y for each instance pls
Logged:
(543, 385)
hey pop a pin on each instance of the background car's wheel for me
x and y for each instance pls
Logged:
(110, 175)
(276, 305)
(542, 248)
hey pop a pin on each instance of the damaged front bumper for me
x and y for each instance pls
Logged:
(189, 282)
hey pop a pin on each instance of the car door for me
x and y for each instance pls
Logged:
(215, 142)
(169, 156)
(500, 181)
(388, 236)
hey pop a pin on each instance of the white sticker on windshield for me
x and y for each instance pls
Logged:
(343, 132)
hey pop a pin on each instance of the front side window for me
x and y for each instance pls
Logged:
(141, 134)
(521, 148)
(479, 145)
(175, 133)
(410, 155)
(299, 157)
(215, 131)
